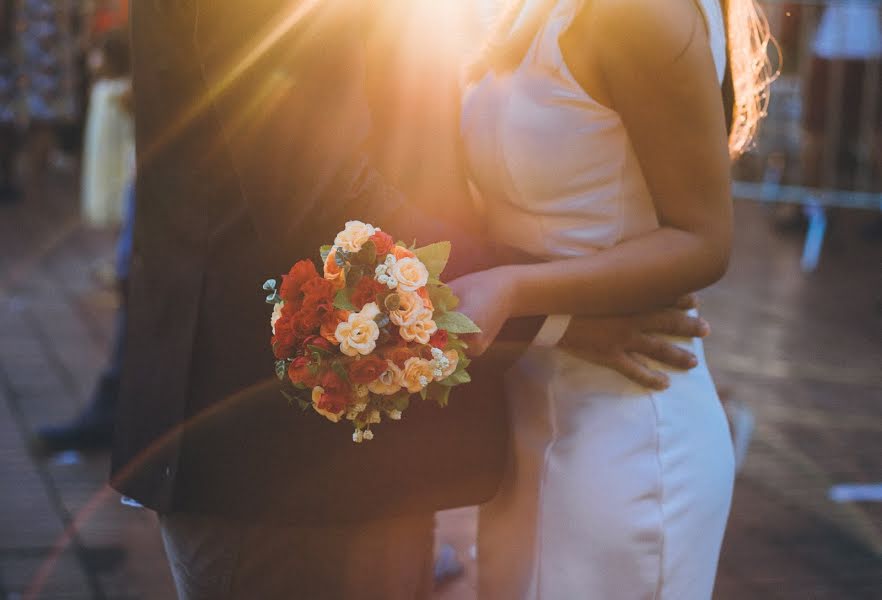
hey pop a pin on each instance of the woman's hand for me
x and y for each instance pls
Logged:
(486, 297)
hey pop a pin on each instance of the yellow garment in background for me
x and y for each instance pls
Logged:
(107, 154)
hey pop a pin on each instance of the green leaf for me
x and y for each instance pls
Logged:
(367, 255)
(318, 350)
(281, 369)
(325, 251)
(443, 298)
(424, 393)
(455, 322)
(340, 370)
(342, 301)
(400, 401)
(459, 377)
(439, 393)
(435, 257)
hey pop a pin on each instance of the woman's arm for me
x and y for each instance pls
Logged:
(658, 73)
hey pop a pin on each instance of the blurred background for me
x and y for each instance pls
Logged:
(796, 346)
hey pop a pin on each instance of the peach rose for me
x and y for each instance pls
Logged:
(333, 272)
(410, 273)
(389, 381)
(421, 330)
(452, 357)
(410, 309)
(417, 374)
(354, 236)
(359, 333)
(424, 294)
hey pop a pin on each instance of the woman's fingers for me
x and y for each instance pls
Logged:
(662, 351)
(631, 367)
(687, 302)
(674, 322)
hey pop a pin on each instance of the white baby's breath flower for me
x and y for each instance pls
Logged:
(437, 354)
(357, 436)
(395, 415)
(374, 417)
(368, 435)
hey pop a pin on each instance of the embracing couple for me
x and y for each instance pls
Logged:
(596, 137)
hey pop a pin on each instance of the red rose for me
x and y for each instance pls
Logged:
(333, 383)
(366, 369)
(399, 355)
(300, 273)
(319, 297)
(439, 339)
(319, 342)
(383, 241)
(332, 403)
(285, 340)
(366, 291)
(298, 372)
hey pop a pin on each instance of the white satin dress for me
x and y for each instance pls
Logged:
(614, 491)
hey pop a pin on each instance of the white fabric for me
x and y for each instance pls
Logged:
(613, 491)
(107, 154)
(849, 30)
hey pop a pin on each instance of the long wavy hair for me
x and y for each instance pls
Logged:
(749, 68)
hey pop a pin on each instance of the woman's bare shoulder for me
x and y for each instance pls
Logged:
(652, 32)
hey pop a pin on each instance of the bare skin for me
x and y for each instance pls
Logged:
(653, 65)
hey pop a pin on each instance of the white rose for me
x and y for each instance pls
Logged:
(277, 314)
(389, 382)
(410, 273)
(354, 236)
(358, 334)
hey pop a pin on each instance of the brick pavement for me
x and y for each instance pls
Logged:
(802, 350)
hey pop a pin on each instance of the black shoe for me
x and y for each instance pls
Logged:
(84, 435)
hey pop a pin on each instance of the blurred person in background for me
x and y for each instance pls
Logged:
(92, 429)
(108, 153)
(37, 83)
(846, 50)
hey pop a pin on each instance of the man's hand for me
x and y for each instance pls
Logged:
(620, 342)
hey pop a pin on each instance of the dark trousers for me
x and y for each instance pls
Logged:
(213, 558)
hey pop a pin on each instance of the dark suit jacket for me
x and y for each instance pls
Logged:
(252, 120)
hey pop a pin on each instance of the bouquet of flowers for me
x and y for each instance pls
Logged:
(375, 328)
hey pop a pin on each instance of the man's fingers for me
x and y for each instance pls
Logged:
(664, 352)
(633, 369)
(687, 302)
(676, 323)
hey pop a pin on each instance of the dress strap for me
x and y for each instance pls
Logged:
(716, 29)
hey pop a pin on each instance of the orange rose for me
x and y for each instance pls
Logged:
(333, 272)
(330, 322)
(398, 252)
(423, 293)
